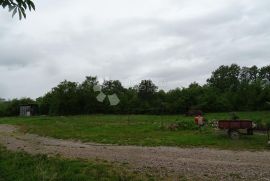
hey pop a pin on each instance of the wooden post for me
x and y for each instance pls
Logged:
(128, 116)
(268, 135)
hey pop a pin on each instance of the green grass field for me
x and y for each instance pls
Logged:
(24, 167)
(145, 130)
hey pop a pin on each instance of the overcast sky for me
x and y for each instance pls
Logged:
(172, 42)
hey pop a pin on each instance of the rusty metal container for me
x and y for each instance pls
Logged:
(235, 124)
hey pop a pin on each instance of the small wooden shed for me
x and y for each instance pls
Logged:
(28, 109)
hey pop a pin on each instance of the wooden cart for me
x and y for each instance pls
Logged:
(236, 127)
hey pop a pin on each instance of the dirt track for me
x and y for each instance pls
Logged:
(192, 162)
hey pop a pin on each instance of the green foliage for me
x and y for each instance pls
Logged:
(18, 6)
(230, 88)
(234, 116)
(11, 108)
(146, 89)
(23, 167)
(264, 72)
(186, 125)
(225, 78)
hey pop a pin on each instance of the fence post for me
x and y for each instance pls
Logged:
(162, 111)
(268, 134)
(128, 115)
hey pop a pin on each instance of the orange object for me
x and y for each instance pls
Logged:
(196, 120)
(199, 120)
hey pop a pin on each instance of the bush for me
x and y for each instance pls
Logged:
(187, 125)
(182, 125)
(261, 125)
(234, 116)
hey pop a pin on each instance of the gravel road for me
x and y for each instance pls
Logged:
(193, 163)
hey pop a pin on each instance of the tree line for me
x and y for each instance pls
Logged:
(230, 88)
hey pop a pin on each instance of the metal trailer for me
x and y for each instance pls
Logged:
(236, 127)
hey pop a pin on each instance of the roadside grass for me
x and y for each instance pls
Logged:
(24, 167)
(144, 130)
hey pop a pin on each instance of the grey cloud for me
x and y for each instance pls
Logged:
(172, 42)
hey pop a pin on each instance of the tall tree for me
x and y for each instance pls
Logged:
(248, 74)
(265, 72)
(225, 78)
(87, 95)
(146, 89)
(112, 87)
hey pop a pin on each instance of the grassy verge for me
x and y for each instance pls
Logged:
(143, 130)
(24, 167)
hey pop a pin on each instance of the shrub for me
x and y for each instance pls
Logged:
(182, 125)
(234, 116)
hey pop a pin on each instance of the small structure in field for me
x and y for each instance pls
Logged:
(194, 112)
(233, 127)
(28, 109)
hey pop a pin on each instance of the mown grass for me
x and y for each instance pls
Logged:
(145, 130)
(19, 166)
